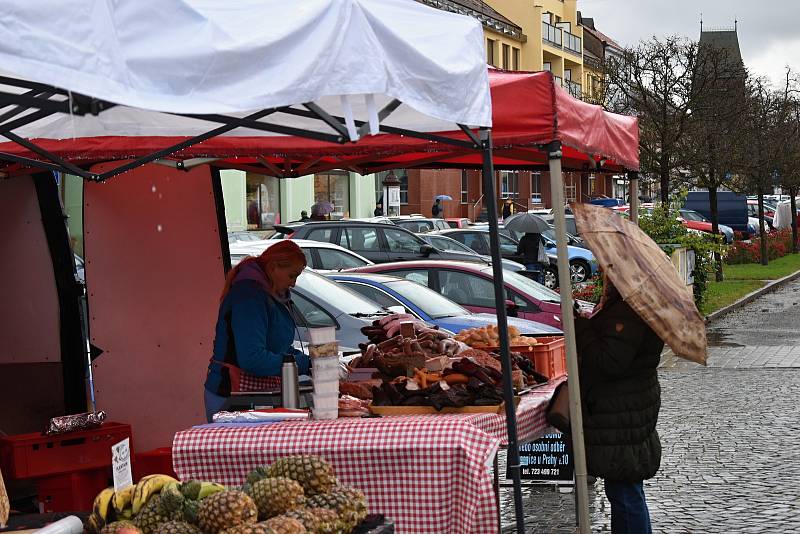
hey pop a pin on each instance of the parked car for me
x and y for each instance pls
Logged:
(378, 243)
(731, 208)
(319, 256)
(769, 211)
(317, 301)
(237, 236)
(448, 244)
(571, 225)
(458, 222)
(472, 286)
(697, 221)
(419, 224)
(582, 262)
(428, 305)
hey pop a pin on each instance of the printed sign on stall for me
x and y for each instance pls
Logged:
(547, 459)
(121, 464)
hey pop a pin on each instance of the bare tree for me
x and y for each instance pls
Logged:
(657, 82)
(787, 158)
(712, 144)
(761, 135)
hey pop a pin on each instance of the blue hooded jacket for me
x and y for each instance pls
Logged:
(263, 331)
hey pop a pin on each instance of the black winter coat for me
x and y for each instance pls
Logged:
(618, 356)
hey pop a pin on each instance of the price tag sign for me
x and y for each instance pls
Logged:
(121, 464)
(547, 459)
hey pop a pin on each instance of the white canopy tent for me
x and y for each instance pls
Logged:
(329, 71)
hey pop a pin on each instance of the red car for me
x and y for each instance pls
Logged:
(458, 222)
(472, 286)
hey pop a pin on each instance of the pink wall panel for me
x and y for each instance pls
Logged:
(29, 314)
(154, 272)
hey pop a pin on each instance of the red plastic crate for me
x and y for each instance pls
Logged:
(157, 461)
(37, 455)
(72, 492)
(550, 357)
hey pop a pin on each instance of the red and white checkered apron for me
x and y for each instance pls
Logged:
(428, 473)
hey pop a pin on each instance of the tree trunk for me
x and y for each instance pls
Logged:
(664, 170)
(793, 204)
(763, 234)
(712, 202)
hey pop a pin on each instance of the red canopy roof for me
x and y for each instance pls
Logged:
(529, 110)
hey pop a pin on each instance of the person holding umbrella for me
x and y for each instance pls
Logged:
(436, 209)
(619, 346)
(531, 247)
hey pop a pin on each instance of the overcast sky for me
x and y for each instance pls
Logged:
(769, 30)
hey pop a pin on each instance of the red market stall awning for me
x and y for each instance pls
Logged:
(529, 110)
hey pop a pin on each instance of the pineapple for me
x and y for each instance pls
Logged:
(224, 510)
(170, 502)
(191, 489)
(148, 519)
(116, 526)
(349, 503)
(177, 527)
(285, 525)
(328, 520)
(255, 528)
(310, 520)
(190, 510)
(312, 472)
(274, 496)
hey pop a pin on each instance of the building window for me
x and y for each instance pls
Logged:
(490, 52)
(263, 201)
(515, 58)
(464, 186)
(509, 184)
(333, 188)
(506, 56)
(547, 66)
(536, 187)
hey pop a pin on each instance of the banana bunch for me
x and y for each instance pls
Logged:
(146, 488)
(181, 500)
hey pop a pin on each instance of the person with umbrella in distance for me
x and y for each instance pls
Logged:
(436, 209)
(508, 209)
(619, 346)
(531, 247)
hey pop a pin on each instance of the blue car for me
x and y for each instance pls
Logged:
(582, 263)
(428, 305)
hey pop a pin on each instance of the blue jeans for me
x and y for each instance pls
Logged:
(539, 268)
(213, 403)
(629, 514)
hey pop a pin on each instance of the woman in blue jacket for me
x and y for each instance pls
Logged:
(255, 327)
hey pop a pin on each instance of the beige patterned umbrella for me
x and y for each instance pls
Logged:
(5, 506)
(646, 279)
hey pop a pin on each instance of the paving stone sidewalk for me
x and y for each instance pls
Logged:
(731, 461)
(730, 434)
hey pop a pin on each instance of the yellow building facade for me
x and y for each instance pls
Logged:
(554, 38)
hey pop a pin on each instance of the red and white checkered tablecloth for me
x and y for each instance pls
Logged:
(428, 473)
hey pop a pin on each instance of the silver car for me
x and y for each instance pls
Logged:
(318, 301)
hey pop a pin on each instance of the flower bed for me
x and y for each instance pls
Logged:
(778, 244)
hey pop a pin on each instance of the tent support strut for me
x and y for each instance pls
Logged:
(502, 326)
(568, 326)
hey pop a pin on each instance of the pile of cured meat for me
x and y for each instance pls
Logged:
(418, 365)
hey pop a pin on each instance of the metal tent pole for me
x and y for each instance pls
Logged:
(567, 324)
(502, 326)
(634, 193)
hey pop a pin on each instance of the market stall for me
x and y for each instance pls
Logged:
(414, 123)
(440, 464)
(107, 94)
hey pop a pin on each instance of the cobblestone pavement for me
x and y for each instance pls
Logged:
(730, 435)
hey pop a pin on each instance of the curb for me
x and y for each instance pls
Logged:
(771, 286)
